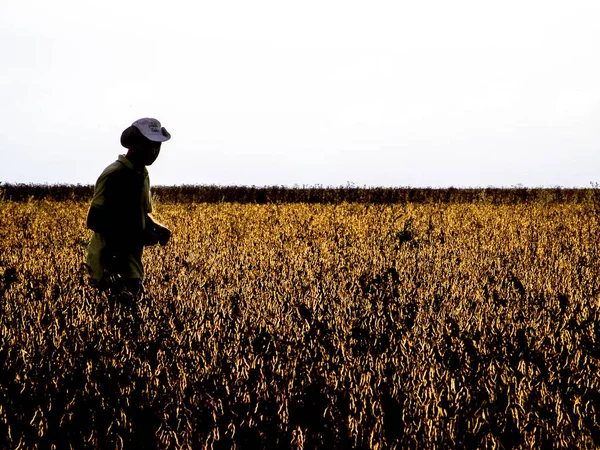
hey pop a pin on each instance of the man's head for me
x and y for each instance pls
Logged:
(143, 140)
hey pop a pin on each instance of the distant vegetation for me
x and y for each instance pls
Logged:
(312, 194)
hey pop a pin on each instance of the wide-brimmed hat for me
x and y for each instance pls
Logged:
(152, 129)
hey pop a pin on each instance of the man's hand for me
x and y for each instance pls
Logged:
(163, 233)
(156, 234)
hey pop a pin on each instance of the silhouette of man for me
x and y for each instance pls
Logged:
(120, 211)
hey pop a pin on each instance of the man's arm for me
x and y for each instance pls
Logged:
(116, 237)
(97, 221)
(107, 217)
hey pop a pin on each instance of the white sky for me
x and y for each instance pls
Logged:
(377, 93)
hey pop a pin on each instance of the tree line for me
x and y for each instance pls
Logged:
(313, 194)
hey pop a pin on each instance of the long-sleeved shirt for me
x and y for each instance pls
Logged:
(120, 209)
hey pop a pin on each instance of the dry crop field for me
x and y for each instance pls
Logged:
(307, 326)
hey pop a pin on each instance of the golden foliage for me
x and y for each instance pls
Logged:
(294, 325)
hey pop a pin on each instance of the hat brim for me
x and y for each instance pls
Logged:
(158, 137)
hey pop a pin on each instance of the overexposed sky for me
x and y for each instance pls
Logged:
(377, 93)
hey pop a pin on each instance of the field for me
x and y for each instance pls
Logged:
(295, 325)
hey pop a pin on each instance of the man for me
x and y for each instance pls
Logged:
(119, 213)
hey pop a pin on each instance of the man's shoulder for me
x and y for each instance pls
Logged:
(114, 173)
(112, 168)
